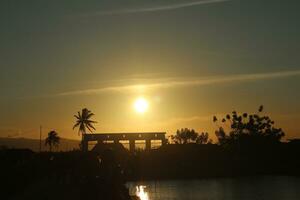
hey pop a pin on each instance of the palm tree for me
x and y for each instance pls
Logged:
(52, 140)
(83, 121)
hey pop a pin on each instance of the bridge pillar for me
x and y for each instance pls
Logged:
(116, 141)
(148, 145)
(132, 145)
(100, 141)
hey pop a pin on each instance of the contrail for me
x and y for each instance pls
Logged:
(156, 8)
(171, 83)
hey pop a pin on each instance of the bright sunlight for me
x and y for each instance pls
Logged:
(141, 105)
(140, 192)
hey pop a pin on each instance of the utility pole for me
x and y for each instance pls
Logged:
(40, 138)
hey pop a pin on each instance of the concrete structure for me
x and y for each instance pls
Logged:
(117, 137)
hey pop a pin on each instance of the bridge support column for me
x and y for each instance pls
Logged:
(116, 141)
(131, 145)
(100, 141)
(148, 145)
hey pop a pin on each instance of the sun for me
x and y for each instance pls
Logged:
(141, 105)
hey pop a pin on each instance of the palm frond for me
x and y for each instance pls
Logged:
(90, 121)
(77, 124)
(91, 126)
(89, 115)
(89, 129)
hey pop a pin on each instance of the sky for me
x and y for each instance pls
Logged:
(190, 59)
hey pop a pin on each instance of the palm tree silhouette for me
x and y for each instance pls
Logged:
(83, 121)
(52, 140)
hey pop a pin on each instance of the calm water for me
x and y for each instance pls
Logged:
(257, 188)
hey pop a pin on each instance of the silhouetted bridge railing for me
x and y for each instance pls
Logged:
(131, 137)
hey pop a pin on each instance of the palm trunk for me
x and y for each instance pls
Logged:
(81, 143)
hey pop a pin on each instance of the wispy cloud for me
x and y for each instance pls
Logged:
(179, 120)
(183, 82)
(156, 8)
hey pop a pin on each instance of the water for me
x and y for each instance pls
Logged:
(255, 188)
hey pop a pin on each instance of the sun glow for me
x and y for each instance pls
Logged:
(140, 192)
(141, 105)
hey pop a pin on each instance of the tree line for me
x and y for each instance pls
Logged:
(233, 129)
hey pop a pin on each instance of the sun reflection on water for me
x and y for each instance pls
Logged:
(141, 193)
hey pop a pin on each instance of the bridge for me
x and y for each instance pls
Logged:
(131, 137)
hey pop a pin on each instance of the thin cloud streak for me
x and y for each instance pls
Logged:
(169, 83)
(157, 8)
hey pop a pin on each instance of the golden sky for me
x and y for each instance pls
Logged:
(189, 59)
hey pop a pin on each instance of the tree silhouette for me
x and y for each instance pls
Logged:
(52, 140)
(83, 121)
(185, 136)
(203, 138)
(245, 128)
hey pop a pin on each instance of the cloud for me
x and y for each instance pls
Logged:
(183, 82)
(156, 8)
(179, 120)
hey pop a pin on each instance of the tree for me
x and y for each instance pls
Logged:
(52, 140)
(83, 121)
(245, 128)
(185, 136)
(203, 138)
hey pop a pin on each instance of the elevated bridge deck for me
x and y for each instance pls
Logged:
(131, 137)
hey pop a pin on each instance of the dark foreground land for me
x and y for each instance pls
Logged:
(71, 175)
(102, 174)
(194, 161)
